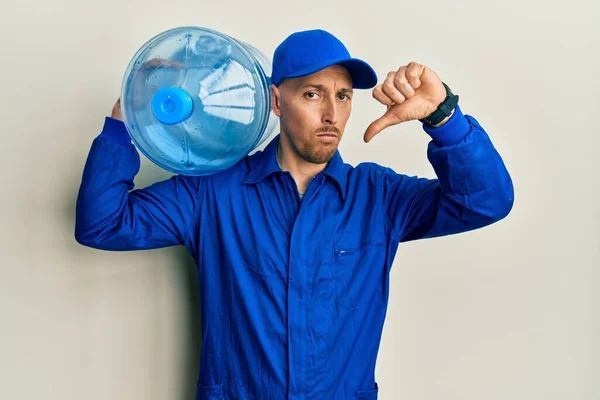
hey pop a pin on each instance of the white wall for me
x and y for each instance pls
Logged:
(508, 312)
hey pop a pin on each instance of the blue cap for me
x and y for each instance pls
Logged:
(306, 52)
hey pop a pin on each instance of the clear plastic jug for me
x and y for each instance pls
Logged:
(196, 101)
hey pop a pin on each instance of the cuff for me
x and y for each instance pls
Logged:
(114, 130)
(452, 132)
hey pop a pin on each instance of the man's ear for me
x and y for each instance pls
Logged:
(275, 100)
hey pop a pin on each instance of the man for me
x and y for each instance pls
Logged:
(294, 247)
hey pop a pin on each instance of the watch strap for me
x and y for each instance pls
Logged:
(444, 109)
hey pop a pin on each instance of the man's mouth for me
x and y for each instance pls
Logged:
(327, 137)
(332, 134)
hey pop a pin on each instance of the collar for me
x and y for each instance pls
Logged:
(264, 163)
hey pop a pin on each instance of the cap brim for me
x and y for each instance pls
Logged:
(363, 75)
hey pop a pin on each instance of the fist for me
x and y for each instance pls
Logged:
(116, 111)
(412, 92)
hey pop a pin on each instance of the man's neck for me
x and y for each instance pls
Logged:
(302, 171)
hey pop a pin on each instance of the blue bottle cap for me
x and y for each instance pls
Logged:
(172, 105)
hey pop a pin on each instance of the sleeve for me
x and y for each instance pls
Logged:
(112, 215)
(473, 188)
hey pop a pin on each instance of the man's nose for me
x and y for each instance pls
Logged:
(330, 112)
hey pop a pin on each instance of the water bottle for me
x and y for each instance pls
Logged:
(196, 101)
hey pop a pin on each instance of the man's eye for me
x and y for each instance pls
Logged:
(310, 95)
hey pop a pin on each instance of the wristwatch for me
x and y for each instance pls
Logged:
(444, 109)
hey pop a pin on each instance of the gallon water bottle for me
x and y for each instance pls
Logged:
(196, 101)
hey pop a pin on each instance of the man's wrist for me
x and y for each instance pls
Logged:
(445, 119)
(444, 109)
(450, 131)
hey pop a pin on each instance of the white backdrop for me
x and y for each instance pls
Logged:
(508, 312)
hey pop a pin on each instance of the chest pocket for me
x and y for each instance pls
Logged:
(359, 269)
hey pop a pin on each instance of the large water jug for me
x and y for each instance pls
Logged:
(196, 101)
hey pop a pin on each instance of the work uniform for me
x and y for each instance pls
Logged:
(293, 290)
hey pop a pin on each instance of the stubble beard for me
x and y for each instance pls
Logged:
(314, 153)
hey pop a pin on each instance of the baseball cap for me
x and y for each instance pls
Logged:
(306, 52)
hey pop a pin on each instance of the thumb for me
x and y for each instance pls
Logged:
(388, 119)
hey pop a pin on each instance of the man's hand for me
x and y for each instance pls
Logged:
(412, 92)
(116, 111)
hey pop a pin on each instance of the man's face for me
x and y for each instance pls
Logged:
(313, 111)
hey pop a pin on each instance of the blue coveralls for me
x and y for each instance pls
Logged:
(293, 292)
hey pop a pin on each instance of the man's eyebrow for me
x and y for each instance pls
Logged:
(321, 87)
(311, 85)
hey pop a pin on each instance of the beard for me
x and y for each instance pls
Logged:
(314, 152)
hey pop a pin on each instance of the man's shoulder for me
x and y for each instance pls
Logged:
(377, 175)
(370, 169)
(368, 166)
(235, 174)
